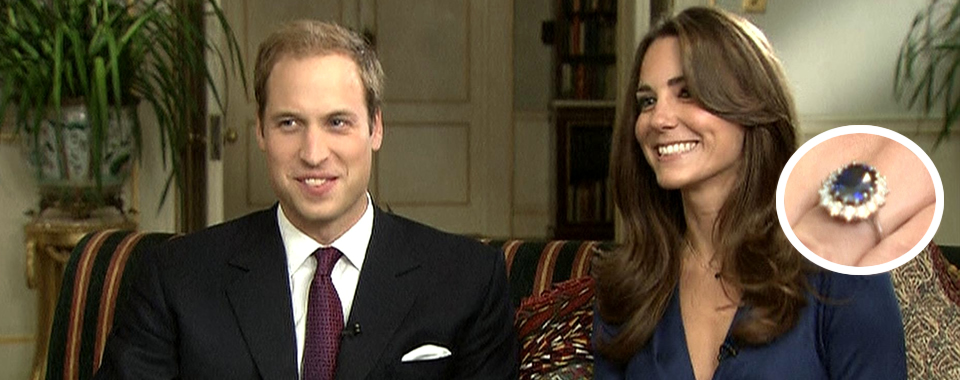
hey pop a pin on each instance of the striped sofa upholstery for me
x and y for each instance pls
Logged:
(93, 282)
(533, 266)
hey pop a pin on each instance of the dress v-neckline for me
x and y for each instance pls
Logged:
(675, 309)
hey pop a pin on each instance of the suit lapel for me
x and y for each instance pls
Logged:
(260, 297)
(385, 293)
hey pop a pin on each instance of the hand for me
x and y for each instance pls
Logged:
(905, 217)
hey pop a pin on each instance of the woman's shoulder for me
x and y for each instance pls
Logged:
(844, 303)
(830, 284)
(858, 324)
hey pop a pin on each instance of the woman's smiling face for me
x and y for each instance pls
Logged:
(686, 145)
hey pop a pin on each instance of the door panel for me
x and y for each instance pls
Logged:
(427, 61)
(442, 65)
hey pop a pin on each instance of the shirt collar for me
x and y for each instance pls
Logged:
(353, 243)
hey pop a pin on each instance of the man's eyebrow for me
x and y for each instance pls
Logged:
(283, 115)
(295, 115)
(341, 114)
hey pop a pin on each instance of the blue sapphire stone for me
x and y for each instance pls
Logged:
(855, 184)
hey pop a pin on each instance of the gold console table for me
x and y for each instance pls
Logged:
(50, 237)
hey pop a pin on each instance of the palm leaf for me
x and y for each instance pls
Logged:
(112, 53)
(928, 64)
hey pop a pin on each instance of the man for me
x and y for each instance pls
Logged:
(246, 300)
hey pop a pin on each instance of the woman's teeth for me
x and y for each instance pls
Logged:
(677, 148)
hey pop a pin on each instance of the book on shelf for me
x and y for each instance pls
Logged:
(590, 37)
(589, 202)
(566, 80)
(586, 52)
(576, 40)
(587, 81)
(576, 6)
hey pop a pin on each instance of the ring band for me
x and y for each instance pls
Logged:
(854, 193)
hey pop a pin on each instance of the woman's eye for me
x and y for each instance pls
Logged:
(684, 94)
(645, 102)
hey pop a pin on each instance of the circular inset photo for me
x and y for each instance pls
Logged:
(860, 199)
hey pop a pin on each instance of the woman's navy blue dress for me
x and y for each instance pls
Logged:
(854, 331)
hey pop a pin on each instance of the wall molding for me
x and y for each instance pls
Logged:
(531, 116)
(17, 339)
(531, 210)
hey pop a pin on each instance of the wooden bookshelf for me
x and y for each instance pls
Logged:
(585, 86)
(585, 49)
(585, 208)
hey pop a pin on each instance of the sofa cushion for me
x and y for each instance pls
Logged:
(533, 266)
(554, 330)
(930, 304)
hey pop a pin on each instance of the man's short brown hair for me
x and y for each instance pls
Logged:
(305, 38)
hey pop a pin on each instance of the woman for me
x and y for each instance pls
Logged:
(706, 285)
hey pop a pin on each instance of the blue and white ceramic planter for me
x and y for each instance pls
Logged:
(62, 153)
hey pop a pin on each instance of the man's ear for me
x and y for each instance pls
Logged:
(377, 131)
(259, 132)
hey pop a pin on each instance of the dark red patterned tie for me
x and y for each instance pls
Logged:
(324, 320)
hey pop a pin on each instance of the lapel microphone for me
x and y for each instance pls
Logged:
(727, 351)
(351, 331)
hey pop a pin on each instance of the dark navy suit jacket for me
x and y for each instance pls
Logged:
(216, 305)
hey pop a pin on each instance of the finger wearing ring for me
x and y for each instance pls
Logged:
(855, 192)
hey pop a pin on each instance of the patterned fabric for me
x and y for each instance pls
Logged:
(552, 325)
(554, 329)
(570, 372)
(931, 315)
(93, 281)
(324, 320)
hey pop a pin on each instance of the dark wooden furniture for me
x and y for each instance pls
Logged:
(583, 109)
(585, 208)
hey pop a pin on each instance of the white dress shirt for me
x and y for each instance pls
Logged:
(301, 265)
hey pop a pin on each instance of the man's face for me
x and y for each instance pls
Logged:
(316, 134)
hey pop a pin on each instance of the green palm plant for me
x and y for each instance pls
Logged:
(928, 66)
(111, 54)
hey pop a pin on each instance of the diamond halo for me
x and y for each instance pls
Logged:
(853, 192)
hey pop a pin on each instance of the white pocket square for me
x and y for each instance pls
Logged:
(425, 352)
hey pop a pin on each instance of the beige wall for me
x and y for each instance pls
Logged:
(18, 192)
(534, 175)
(17, 195)
(840, 59)
(533, 136)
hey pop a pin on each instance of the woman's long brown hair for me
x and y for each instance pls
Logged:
(730, 69)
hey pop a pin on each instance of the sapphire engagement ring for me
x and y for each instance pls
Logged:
(855, 193)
